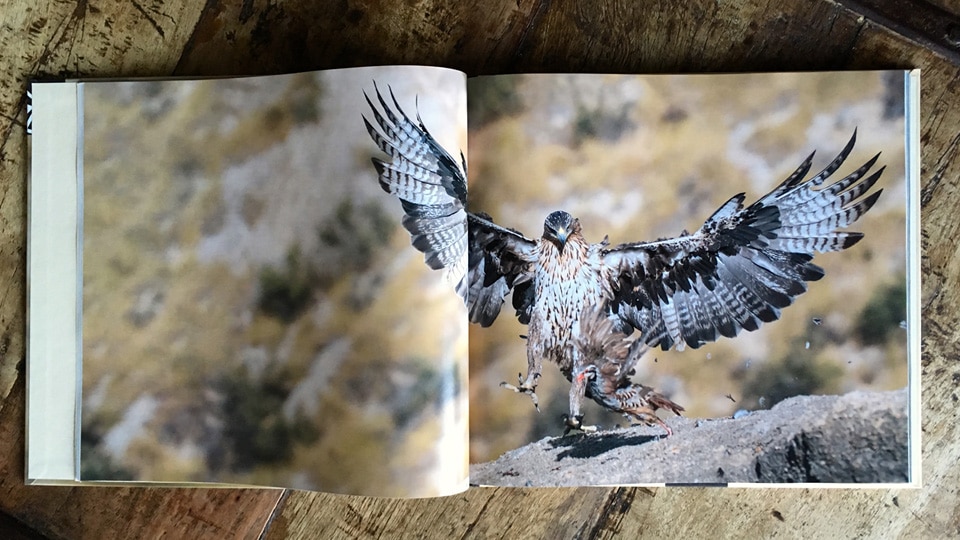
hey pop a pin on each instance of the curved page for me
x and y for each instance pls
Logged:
(253, 312)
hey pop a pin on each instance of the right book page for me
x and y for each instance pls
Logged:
(785, 375)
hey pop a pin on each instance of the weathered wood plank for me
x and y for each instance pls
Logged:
(62, 39)
(13, 529)
(933, 27)
(260, 37)
(625, 36)
(98, 512)
(481, 513)
(56, 38)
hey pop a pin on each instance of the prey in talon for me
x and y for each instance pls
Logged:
(606, 361)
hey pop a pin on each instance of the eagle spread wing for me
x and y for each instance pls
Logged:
(744, 264)
(430, 185)
(737, 271)
(433, 192)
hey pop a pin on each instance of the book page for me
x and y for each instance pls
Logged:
(253, 312)
(642, 158)
(52, 293)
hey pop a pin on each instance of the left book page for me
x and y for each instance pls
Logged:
(249, 310)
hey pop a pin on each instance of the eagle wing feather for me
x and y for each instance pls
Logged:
(744, 264)
(432, 189)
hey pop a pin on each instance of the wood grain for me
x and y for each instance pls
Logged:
(261, 37)
(483, 513)
(147, 37)
(92, 512)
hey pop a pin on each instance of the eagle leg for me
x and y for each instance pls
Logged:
(525, 387)
(529, 385)
(574, 420)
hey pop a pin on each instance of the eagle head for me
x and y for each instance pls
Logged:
(558, 227)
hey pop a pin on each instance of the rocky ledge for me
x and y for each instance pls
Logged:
(860, 437)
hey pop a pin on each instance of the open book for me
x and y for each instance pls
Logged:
(222, 288)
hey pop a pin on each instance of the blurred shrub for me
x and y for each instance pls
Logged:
(286, 291)
(600, 123)
(883, 313)
(893, 103)
(355, 232)
(491, 98)
(255, 429)
(426, 390)
(95, 463)
(302, 98)
(350, 240)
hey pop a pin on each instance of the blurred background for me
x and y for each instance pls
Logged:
(641, 158)
(252, 310)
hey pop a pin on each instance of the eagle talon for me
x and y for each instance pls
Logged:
(524, 389)
(576, 423)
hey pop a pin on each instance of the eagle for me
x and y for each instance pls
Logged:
(736, 272)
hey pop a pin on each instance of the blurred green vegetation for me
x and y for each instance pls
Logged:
(285, 292)
(426, 391)
(884, 312)
(356, 231)
(97, 464)
(600, 123)
(491, 98)
(255, 430)
(353, 235)
(302, 99)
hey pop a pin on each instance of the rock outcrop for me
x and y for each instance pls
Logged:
(860, 437)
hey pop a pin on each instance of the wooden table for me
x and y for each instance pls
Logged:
(190, 38)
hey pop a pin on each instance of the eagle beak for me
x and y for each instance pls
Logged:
(562, 235)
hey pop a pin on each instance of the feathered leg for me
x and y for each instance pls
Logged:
(574, 420)
(529, 385)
